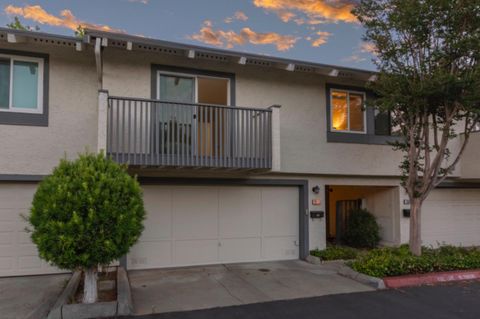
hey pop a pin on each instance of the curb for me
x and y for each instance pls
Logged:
(431, 278)
(374, 282)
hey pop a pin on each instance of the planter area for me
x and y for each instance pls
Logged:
(114, 297)
(396, 267)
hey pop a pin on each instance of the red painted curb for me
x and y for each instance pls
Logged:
(432, 278)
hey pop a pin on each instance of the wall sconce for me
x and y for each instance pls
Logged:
(316, 189)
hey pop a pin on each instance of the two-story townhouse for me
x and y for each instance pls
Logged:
(241, 157)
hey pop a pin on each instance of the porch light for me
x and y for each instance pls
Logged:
(316, 189)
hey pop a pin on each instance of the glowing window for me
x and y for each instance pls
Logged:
(347, 111)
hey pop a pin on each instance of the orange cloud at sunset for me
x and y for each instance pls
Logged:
(315, 10)
(229, 39)
(66, 19)
(321, 39)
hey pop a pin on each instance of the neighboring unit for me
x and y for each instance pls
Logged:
(233, 150)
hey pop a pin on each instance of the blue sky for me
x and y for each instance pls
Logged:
(313, 30)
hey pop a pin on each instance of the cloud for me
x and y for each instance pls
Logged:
(355, 58)
(139, 1)
(322, 37)
(367, 47)
(239, 15)
(66, 19)
(229, 39)
(316, 11)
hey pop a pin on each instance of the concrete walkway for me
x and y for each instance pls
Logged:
(182, 289)
(29, 297)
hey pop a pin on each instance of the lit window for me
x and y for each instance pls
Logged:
(347, 111)
(21, 84)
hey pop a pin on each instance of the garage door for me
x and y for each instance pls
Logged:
(195, 225)
(452, 216)
(18, 255)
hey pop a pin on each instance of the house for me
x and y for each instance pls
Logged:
(241, 157)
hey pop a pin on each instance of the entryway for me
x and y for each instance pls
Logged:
(182, 289)
(382, 201)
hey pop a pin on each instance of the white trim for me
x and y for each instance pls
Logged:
(332, 129)
(40, 80)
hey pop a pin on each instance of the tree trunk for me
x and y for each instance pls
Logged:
(90, 286)
(415, 227)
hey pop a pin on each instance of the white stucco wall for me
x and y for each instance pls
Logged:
(72, 115)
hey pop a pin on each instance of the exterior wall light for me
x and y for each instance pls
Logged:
(316, 189)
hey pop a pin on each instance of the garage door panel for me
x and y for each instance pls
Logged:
(195, 212)
(195, 252)
(18, 255)
(280, 248)
(153, 254)
(158, 205)
(240, 212)
(451, 216)
(277, 207)
(240, 249)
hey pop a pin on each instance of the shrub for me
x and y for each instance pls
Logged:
(397, 261)
(335, 253)
(362, 230)
(89, 212)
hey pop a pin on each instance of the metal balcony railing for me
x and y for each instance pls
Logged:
(157, 133)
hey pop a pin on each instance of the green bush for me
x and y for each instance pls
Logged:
(362, 230)
(335, 253)
(384, 262)
(89, 212)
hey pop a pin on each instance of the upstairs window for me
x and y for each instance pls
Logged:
(347, 111)
(21, 84)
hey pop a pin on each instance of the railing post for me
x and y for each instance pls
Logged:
(102, 121)
(275, 137)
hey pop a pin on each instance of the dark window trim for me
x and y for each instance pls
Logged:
(175, 69)
(29, 119)
(358, 138)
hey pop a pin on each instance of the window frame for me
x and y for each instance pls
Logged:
(364, 111)
(18, 58)
(195, 77)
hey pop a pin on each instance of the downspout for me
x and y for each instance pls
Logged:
(99, 62)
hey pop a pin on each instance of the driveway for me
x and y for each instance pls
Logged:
(452, 301)
(30, 296)
(183, 289)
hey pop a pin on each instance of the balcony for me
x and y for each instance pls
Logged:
(153, 133)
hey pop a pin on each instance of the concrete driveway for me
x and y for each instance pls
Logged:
(30, 297)
(182, 289)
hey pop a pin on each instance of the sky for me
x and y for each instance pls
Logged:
(322, 31)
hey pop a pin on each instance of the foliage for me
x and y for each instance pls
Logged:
(384, 262)
(89, 212)
(427, 54)
(362, 230)
(335, 253)
(80, 32)
(17, 25)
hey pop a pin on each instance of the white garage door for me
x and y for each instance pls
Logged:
(18, 255)
(452, 216)
(195, 225)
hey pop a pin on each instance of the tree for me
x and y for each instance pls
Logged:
(17, 25)
(427, 54)
(88, 213)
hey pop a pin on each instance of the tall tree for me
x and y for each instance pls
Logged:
(427, 54)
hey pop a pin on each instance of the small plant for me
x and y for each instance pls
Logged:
(335, 253)
(89, 212)
(396, 261)
(362, 230)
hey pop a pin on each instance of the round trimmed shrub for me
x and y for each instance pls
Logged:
(89, 212)
(362, 230)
